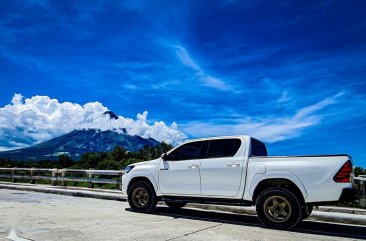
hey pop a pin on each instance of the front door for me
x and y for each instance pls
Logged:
(179, 173)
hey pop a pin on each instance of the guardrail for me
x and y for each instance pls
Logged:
(360, 183)
(62, 176)
(91, 176)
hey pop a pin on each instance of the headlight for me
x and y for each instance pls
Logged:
(129, 168)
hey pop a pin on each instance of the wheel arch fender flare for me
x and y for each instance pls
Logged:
(277, 175)
(141, 176)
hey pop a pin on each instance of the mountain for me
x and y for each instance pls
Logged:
(77, 142)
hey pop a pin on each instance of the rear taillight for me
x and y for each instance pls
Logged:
(344, 174)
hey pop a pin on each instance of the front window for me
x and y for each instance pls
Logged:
(187, 151)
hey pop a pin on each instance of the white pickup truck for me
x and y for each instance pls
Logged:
(236, 170)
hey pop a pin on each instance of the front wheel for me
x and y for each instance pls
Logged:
(142, 197)
(278, 208)
(175, 205)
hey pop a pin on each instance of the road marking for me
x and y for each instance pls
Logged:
(187, 234)
(14, 236)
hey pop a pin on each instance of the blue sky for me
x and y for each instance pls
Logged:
(290, 72)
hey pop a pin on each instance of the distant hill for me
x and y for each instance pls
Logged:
(77, 142)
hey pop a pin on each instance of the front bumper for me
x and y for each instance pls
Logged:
(348, 195)
(125, 180)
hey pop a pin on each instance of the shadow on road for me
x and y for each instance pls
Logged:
(310, 227)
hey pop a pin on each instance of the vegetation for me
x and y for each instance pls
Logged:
(359, 171)
(117, 159)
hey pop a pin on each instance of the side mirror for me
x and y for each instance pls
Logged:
(164, 156)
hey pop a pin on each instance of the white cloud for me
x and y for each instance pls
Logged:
(25, 122)
(284, 97)
(267, 129)
(186, 59)
(206, 80)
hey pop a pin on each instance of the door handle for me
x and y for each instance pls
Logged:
(233, 164)
(164, 166)
(193, 166)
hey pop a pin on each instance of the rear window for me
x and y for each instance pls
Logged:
(258, 148)
(223, 148)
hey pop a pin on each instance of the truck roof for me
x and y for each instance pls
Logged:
(220, 137)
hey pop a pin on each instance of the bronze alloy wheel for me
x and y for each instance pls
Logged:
(277, 209)
(140, 197)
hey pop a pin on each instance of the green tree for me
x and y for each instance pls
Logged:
(109, 164)
(89, 160)
(118, 153)
(359, 171)
(64, 161)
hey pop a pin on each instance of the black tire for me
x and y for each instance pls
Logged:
(306, 211)
(278, 208)
(175, 205)
(142, 197)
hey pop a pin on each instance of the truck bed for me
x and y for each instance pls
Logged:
(313, 173)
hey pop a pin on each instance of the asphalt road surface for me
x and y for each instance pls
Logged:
(40, 216)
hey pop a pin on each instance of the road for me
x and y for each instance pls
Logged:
(40, 216)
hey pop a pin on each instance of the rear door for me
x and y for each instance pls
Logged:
(221, 169)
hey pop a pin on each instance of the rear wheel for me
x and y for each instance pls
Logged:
(142, 197)
(175, 205)
(278, 208)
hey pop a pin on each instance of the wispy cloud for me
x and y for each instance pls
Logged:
(200, 74)
(284, 97)
(268, 129)
(186, 59)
